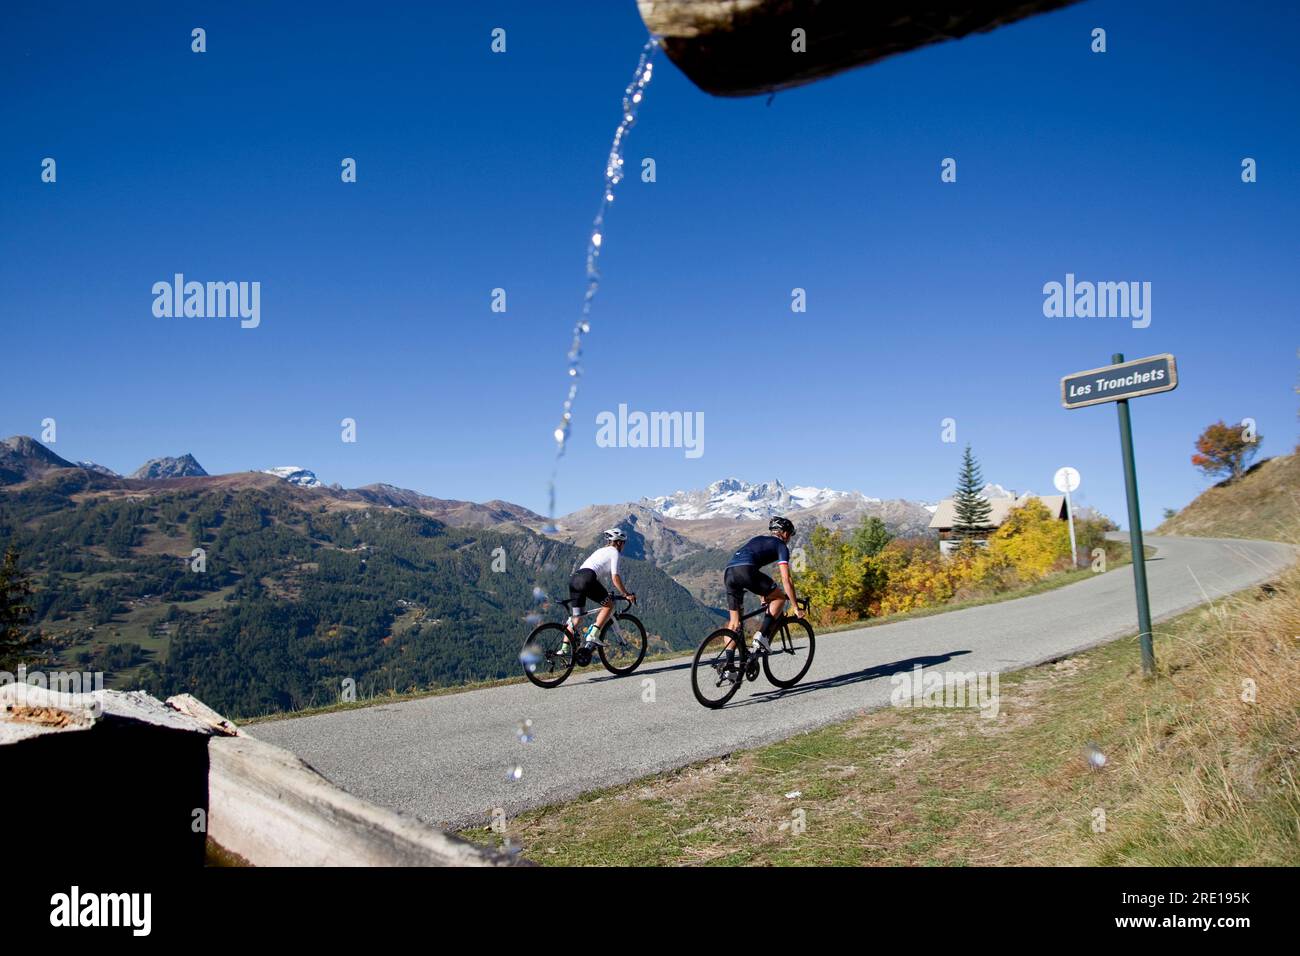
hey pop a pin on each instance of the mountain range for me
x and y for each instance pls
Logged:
(662, 529)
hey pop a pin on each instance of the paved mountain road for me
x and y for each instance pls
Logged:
(445, 760)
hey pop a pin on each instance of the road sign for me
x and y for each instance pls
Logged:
(1067, 480)
(1113, 383)
(1118, 383)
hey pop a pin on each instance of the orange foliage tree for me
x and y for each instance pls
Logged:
(1225, 450)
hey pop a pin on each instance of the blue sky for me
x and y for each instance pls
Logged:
(479, 170)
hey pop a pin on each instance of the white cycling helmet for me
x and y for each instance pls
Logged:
(615, 534)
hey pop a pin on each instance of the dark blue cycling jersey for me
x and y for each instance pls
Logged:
(761, 551)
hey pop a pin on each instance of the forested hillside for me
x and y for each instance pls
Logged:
(298, 593)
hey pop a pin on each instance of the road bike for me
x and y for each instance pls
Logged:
(723, 662)
(553, 649)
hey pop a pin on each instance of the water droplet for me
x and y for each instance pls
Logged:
(531, 656)
(539, 594)
(550, 528)
(532, 620)
(632, 98)
(1096, 759)
(525, 731)
(515, 773)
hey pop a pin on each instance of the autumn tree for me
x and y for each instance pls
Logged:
(1225, 450)
(1032, 539)
(971, 508)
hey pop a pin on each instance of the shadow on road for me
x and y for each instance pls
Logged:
(662, 668)
(841, 680)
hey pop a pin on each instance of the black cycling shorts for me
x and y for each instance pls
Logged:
(584, 586)
(745, 577)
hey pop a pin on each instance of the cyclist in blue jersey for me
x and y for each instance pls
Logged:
(744, 574)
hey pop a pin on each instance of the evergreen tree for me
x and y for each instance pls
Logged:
(972, 509)
(870, 537)
(15, 612)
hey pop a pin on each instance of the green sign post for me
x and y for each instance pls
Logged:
(1118, 383)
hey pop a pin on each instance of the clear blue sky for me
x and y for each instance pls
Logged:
(479, 170)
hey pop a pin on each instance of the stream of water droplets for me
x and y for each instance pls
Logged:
(632, 98)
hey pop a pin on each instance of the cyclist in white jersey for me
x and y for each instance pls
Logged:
(585, 584)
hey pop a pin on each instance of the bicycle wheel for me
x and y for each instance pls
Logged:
(546, 658)
(625, 644)
(791, 654)
(716, 675)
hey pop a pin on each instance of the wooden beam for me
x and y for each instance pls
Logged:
(744, 47)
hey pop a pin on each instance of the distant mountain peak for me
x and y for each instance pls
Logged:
(992, 490)
(98, 469)
(183, 467)
(295, 475)
(23, 457)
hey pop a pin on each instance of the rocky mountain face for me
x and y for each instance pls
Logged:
(183, 467)
(23, 458)
(460, 514)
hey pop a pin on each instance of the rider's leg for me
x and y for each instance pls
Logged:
(775, 601)
(592, 633)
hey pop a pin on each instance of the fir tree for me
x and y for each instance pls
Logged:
(972, 509)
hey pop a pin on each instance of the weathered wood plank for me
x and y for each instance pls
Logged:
(744, 47)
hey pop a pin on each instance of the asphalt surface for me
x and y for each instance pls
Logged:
(448, 760)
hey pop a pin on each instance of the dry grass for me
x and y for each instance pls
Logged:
(1263, 503)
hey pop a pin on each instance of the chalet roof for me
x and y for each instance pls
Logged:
(946, 514)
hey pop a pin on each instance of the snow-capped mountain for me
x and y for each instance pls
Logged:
(295, 475)
(743, 500)
(992, 491)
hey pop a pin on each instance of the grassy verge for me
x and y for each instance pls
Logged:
(1194, 775)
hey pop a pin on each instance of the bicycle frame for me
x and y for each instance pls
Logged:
(571, 617)
(803, 606)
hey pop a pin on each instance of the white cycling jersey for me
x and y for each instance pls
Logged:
(603, 560)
